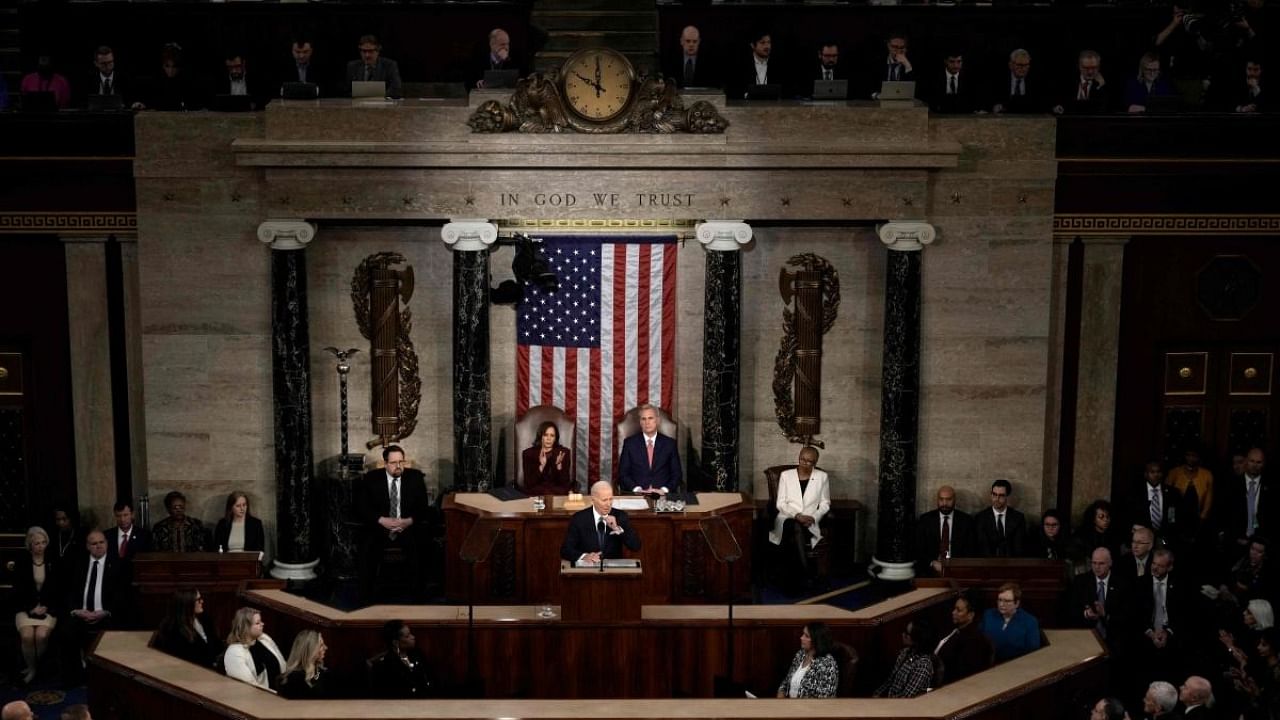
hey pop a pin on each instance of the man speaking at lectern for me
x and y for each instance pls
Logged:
(598, 528)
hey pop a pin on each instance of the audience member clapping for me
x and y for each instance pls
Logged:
(252, 656)
(186, 633)
(304, 674)
(814, 672)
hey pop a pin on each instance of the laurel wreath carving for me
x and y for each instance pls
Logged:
(784, 366)
(410, 396)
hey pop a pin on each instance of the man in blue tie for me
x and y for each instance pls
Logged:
(599, 531)
(649, 462)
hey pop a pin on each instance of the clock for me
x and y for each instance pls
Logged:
(598, 84)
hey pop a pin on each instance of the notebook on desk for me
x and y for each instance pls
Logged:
(507, 493)
(106, 102)
(830, 89)
(764, 92)
(368, 89)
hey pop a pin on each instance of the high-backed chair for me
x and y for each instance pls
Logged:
(847, 661)
(630, 425)
(820, 554)
(527, 428)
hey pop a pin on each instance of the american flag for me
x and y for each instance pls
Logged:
(601, 344)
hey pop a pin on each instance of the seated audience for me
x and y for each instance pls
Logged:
(104, 80)
(68, 537)
(44, 79)
(252, 656)
(304, 674)
(1103, 599)
(1147, 84)
(758, 70)
(301, 66)
(96, 596)
(235, 80)
(1089, 93)
(1012, 631)
(237, 530)
(178, 532)
(126, 539)
(804, 497)
(827, 67)
(1160, 700)
(1138, 560)
(1049, 539)
(913, 669)
(965, 650)
(1108, 708)
(894, 66)
(401, 671)
(547, 463)
(950, 89)
(35, 591)
(814, 672)
(1096, 531)
(186, 632)
(372, 67)
(1017, 91)
(1242, 94)
(942, 534)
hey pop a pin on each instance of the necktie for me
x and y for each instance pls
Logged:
(395, 497)
(650, 453)
(1000, 524)
(944, 543)
(90, 599)
(951, 90)
(688, 71)
(1142, 566)
(893, 71)
(1253, 504)
(368, 73)
(124, 545)
(106, 86)
(1156, 513)
(1102, 602)
(1161, 618)
(302, 73)
(1084, 90)
(827, 74)
(600, 533)
(1022, 88)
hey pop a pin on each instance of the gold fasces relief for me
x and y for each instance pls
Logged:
(380, 296)
(813, 292)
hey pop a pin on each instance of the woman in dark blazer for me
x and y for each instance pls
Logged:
(547, 464)
(185, 633)
(238, 530)
(36, 587)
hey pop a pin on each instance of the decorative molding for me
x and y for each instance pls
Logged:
(605, 225)
(1168, 224)
(723, 235)
(469, 235)
(286, 234)
(68, 223)
(907, 236)
(300, 572)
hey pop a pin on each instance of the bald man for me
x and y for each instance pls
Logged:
(96, 598)
(931, 550)
(17, 710)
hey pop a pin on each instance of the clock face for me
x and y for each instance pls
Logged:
(598, 84)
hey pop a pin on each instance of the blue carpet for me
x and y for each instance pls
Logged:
(46, 697)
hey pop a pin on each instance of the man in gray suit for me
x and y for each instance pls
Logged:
(373, 67)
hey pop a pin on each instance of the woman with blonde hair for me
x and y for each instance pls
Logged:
(304, 675)
(35, 587)
(252, 656)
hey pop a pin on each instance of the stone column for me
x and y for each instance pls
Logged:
(899, 398)
(296, 545)
(472, 404)
(721, 343)
(1096, 372)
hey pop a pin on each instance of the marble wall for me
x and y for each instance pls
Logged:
(205, 310)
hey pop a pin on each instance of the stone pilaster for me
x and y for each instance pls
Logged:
(472, 402)
(721, 344)
(296, 544)
(900, 398)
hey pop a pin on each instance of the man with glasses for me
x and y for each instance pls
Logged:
(391, 506)
(1001, 530)
(1017, 91)
(894, 66)
(372, 67)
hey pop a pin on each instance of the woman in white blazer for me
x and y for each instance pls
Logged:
(800, 510)
(252, 656)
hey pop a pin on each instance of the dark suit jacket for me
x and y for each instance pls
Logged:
(583, 538)
(968, 97)
(372, 501)
(929, 537)
(1100, 99)
(1170, 500)
(114, 587)
(483, 63)
(633, 465)
(255, 538)
(384, 70)
(1231, 505)
(1032, 101)
(548, 481)
(89, 86)
(742, 75)
(289, 73)
(967, 652)
(1121, 604)
(1179, 604)
(990, 544)
(878, 72)
(50, 594)
(139, 541)
(705, 73)
(391, 678)
(256, 90)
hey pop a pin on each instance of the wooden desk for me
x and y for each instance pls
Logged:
(592, 594)
(157, 575)
(1043, 582)
(524, 565)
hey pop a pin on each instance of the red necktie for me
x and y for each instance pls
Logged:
(124, 545)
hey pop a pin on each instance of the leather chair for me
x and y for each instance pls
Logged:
(819, 555)
(630, 425)
(847, 660)
(527, 427)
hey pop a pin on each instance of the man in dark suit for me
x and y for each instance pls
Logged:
(932, 547)
(1155, 505)
(1089, 93)
(96, 599)
(759, 70)
(391, 506)
(302, 67)
(1194, 693)
(692, 67)
(1165, 611)
(649, 460)
(497, 56)
(1103, 600)
(894, 66)
(828, 66)
(951, 90)
(1016, 91)
(104, 80)
(373, 67)
(126, 540)
(1245, 505)
(1001, 531)
(1136, 563)
(598, 531)
(236, 81)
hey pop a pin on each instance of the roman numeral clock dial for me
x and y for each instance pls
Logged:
(598, 84)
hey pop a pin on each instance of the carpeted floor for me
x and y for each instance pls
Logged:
(46, 697)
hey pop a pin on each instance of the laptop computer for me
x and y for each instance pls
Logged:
(897, 90)
(368, 89)
(1162, 104)
(39, 102)
(830, 89)
(764, 92)
(299, 91)
(106, 102)
(231, 103)
(500, 78)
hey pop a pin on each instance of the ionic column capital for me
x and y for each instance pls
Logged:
(725, 236)
(907, 236)
(286, 234)
(469, 235)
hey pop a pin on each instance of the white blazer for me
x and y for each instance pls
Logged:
(815, 502)
(239, 663)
